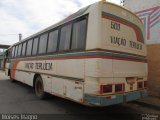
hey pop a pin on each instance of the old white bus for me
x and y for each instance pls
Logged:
(96, 56)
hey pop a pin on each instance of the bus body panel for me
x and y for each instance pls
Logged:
(63, 87)
(123, 68)
(65, 68)
(66, 81)
(94, 27)
(71, 68)
(98, 67)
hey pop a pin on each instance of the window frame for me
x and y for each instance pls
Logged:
(15, 54)
(80, 49)
(18, 49)
(47, 32)
(31, 39)
(65, 51)
(38, 37)
(25, 42)
(12, 56)
(53, 30)
(77, 20)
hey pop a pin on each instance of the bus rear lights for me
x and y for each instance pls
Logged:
(145, 84)
(139, 85)
(105, 89)
(119, 87)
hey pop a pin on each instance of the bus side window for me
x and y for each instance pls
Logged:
(15, 54)
(35, 46)
(29, 47)
(19, 49)
(24, 49)
(13, 51)
(79, 35)
(65, 38)
(43, 43)
(52, 41)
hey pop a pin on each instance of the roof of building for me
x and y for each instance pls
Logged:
(4, 46)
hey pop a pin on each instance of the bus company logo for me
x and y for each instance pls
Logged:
(150, 18)
(149, 117)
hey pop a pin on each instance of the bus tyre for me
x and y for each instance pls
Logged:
(39, 88)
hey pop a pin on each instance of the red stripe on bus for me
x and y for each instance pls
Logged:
(114, 51)
(84, 57)
(13, 70)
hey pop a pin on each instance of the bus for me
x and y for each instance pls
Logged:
(95, 57)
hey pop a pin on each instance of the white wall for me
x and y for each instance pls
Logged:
(149, 12)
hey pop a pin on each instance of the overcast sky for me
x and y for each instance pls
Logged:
(30, 16)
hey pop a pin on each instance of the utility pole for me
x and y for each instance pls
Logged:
(20, 36)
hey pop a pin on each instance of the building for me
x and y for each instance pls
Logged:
(1, 60)
(149, 13)
(2, 55)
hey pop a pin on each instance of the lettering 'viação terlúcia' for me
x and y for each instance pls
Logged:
(39, 66)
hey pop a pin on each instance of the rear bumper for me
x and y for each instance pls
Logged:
(114, 99)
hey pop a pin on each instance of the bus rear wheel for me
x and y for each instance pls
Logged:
(39, 88)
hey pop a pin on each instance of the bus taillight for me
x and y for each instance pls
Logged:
(105, 89)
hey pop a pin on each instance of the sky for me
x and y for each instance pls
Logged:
(30, 16)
